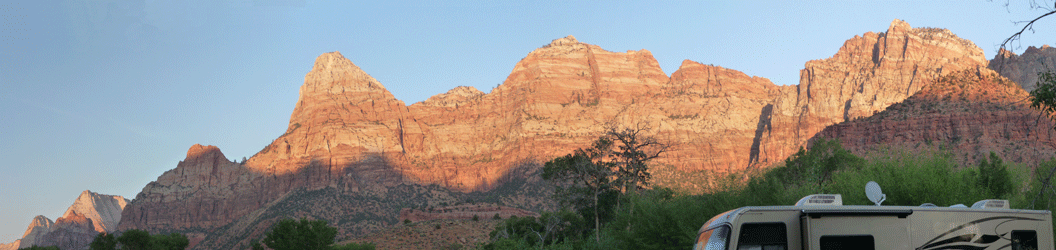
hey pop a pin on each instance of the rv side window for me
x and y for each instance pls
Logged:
(1024, 240)
(762, 236)
(837, 242)
(714, 239)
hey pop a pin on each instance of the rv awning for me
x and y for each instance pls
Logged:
(856, 212)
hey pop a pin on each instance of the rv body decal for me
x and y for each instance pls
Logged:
(971, 237)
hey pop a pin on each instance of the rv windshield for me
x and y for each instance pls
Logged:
(714, 239)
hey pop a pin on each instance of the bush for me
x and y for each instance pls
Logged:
(139, 239)
(355, 246)
(306, 234)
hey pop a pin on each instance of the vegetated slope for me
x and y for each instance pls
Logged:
(971, 113)
(1023, 69)
(434, 234)
(350, 135)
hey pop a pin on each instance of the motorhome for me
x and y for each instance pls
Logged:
(821, 221)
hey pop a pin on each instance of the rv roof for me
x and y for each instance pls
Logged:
(730, 216)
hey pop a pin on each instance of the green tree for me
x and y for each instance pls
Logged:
(135, 239)
(995, 177)
(173, 241)
(103, 241)
(303, 234)
(256, 245)
(590, 177)
(1043, 98)
(355, 246)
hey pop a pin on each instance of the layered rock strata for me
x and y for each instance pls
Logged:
(349, 134)
(970, 114)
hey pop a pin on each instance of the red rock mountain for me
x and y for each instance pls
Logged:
(970, 113)
(349, 136)
(1024, 69)
(90, 214)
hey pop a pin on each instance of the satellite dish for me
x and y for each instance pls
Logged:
(872, 190)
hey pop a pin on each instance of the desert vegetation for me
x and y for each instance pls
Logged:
(660, 218)
(139, 240)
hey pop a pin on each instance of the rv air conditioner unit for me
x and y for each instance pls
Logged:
(1003, 204)
(821, 200)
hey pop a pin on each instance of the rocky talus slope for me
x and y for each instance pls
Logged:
(351, 144)
(1023, 69)
(90, 214)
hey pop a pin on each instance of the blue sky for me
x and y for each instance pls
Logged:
(107, 95)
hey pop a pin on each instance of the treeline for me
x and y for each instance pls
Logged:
(609, 215)
(139, 240)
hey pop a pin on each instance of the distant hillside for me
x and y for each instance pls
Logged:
(971, 113)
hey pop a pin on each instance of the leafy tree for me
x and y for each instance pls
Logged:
(173, 241)
(139, 239)
(135, 239)
(994, 175)
(1043, 98)
(256, 245)
(355, 246)
(304, 234)
(590, 176)
(103, 241)
(549, 229)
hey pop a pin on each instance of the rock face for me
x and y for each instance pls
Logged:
(35, 232)
(90, 214)
(71, 231)
(971, 113)
(1023, 69)
(350, 136)
(103, 210)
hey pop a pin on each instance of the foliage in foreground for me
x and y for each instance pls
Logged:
(658, 218)
(139, 240)
(290, 234)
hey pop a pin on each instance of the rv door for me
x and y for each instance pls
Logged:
(860, 230)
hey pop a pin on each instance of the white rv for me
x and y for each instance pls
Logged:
(822, 222)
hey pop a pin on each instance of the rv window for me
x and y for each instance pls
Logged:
(1025, 239)
(837, 242)
(762, 236)
(714, 239)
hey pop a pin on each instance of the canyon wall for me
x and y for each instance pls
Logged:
(349, 136)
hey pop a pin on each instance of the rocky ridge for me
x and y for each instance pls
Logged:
(971, 113)
(90, 214)
(1023, 69)
(349, 135)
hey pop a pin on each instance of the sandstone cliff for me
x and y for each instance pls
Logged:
(1023, 69)
(10, 246)
(35, 232)
(970, 113)
(349, 138)
(103, 210)
(90, 214)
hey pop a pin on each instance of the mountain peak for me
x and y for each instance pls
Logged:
(568, 40)
(103, 210)
(899, 25)
(195, 151)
